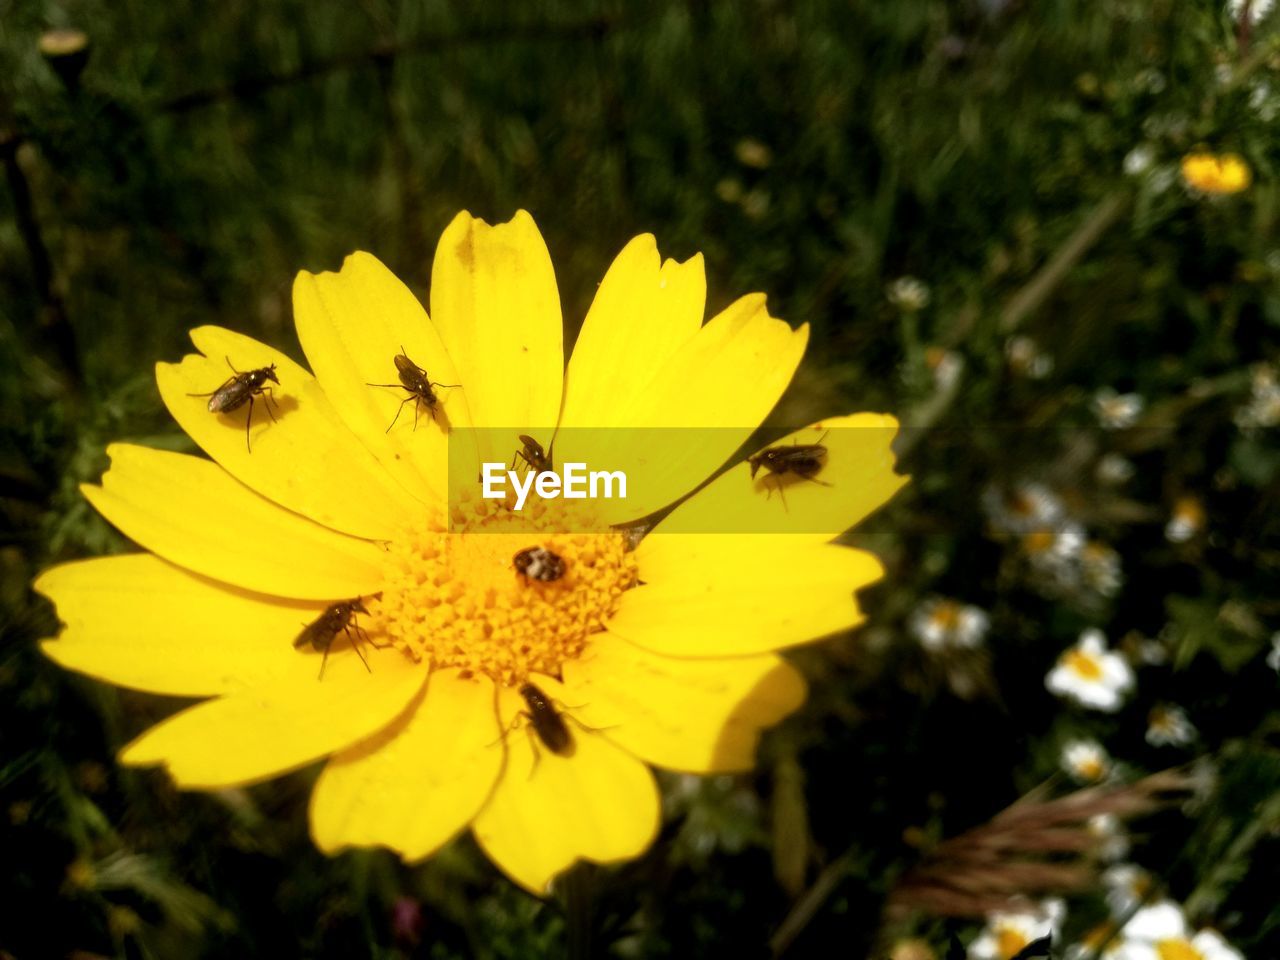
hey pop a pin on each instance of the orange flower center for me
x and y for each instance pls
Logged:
(1009, 942)
(1177, 950)
(457, 599)
(1090, 768)
(946, 615)
(1084, 665)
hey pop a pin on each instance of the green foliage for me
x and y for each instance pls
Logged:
(1020, 159)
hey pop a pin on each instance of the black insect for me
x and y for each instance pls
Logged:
(547, 722)
(239, 388)
(539, 563)
(414, 379)
(538, 460)
(803, 460)
(337, 618)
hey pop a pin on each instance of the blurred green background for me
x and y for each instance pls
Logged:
(1019, 159)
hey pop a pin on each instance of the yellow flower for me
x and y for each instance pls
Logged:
(664, 654)
(1216, 173)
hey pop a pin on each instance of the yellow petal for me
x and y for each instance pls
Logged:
(718, 387)
(141, 622)
(415, 784)
(352, 325)
(495, 303)
(306, 460)
(600, 804)
(193, 513)
(856, 478)
(644, 311)
(701, 716)
(727, 596)
(271, 729)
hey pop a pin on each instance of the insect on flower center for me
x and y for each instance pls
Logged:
(458, 599)
(1082, 664)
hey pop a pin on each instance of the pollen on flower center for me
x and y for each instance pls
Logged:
(456, 599)
(1082, 664)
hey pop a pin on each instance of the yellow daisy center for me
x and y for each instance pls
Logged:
(1090, 768)
(1177, 949)
(1009, 942)
(1082, 664)
(457, 599)
(1038, 542)
(946, 615)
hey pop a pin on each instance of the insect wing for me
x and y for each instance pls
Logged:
(231, 395)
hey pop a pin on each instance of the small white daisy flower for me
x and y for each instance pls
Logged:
(1114, 469)
(1026, 359)
(908, 294)
(1031, 507)
(1111, 837)
(1091, 675)
(1153, 652)
(1086, 761)
(1263, 408)
(1167, 725)
(1187, 520)
(1007, 933)
(1116, 411)
(1139, 160)
(945, 365)
(1056, 551)
(1273, 657)
(1127, 885)
(939, 623)
(1100, 568)
(1257, 9)
(1161, 932)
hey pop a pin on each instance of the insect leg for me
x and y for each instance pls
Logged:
(324, 660)
(363, 634)
(777, 482)
(356, 647)
(231, 365)
(247, 421)
(417, 409)
(271, 401)
(398, 409)
(512, 725)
